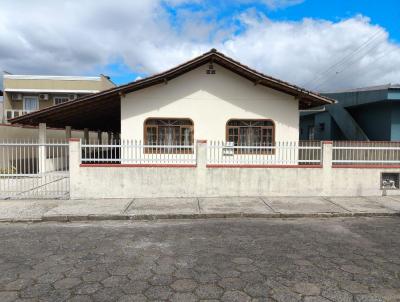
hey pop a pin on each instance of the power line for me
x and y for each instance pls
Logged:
(344, 68)
(346, 57)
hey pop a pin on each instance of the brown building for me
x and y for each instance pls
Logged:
(27, 93)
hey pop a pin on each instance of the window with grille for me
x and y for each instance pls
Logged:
(251, 133)
(60, 99)
(168, 132)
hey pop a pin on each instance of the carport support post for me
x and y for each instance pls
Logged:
(42, 148)
(100, 137)
(327, 150)
(86, 135)
(68, 132)
(74, 163)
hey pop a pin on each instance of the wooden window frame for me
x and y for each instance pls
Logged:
(159, 150)
(241, 151)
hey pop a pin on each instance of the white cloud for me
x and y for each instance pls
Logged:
(81, 37)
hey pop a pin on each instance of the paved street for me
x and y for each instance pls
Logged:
(337, 259)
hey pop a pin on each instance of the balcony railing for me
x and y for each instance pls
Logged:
(11, 113)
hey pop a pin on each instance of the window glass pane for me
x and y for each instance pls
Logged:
(151, 135)
(31, 103)
(186, 137)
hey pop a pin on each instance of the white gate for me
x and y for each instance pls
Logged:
(30, 170)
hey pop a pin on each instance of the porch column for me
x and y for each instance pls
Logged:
(86, 135)
(109, 137)
(42, 148)
(68, 132)
(99, 137)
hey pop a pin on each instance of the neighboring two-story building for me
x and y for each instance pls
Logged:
(370, 113)
(27, 93)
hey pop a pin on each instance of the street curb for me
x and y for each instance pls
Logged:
(151, 217)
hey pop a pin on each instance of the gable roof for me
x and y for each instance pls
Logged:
(83, 112)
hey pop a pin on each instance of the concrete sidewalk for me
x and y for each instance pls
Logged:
(176, 208)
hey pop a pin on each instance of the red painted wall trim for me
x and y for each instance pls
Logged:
(135, 166)
(74, 139)
(367, 166)
(202, 141)
(327, 142)
(265, 166)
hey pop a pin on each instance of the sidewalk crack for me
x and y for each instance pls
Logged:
(198, 205)
(268, 206)
(338, 205)
(127, 206)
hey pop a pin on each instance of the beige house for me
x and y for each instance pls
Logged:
(27, 93)
(211, 97)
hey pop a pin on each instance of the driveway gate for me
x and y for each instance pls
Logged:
(33, 170)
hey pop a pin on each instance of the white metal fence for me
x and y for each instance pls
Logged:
(29, 169)
(137, 153)
(280, 153)
(366, 153)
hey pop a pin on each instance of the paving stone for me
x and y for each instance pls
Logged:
(354, 269)
(135, 287)
(161, 279)
(17, 284)
(158, 293)
(208, 291)
(315, 299)
(307, 289)
(183, 297)
(235, 296)
(285, 296)
(8, 296)
(242, 260)
(80, 298)
(94, 276)
(257, 289)
(36, 290)
(114, 281)
(87, 288)
(184, 285)
(368, 298)
(354, 287)
(67, 283)
(133, 298)
(337, 295)
(231, 283)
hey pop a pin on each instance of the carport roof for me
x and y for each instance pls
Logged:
(101, 111)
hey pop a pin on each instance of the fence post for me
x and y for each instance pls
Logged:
(327, 153)
(201, 156)
(201, 169)
(74, 162)
(42, 148)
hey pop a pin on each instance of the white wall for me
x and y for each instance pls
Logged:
(200, 181)
(210, 101)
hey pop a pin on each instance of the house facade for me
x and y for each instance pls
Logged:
(215, 106)
(28, 93)
(211, 97)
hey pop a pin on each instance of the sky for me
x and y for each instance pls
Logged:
(317, 44)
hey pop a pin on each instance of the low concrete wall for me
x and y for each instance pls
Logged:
(130, 182)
